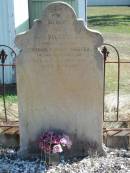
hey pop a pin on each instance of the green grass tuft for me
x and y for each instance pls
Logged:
(9, 98)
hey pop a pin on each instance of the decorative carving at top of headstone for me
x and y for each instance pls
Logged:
(60, 79)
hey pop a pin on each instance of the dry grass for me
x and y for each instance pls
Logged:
(11, 108)
(111, 107)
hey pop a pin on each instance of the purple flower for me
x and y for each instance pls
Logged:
(52, 141)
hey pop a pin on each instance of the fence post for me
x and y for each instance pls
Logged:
(129, 137)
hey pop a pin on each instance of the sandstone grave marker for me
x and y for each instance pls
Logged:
(60, 79)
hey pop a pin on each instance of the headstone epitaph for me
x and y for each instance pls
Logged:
(60, 79)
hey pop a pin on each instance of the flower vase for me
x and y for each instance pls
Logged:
(54, 159)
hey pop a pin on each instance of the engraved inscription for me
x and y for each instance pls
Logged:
(60, 79)
(56, 56)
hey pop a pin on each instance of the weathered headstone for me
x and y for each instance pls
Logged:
(60, 79)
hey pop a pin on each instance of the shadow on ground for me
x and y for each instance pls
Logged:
(109, 20)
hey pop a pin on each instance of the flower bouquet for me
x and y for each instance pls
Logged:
(54, 142)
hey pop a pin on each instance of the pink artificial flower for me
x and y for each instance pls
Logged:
(57, 149)
(55, 141)
(51, 141)
(63, 141)
(68, 141)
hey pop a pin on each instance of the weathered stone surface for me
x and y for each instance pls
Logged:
(60, 79)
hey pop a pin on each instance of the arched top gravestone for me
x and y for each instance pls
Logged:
(60, 79)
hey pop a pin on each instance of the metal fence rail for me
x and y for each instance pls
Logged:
(105, 50)
(5, 51)
(106, 54)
